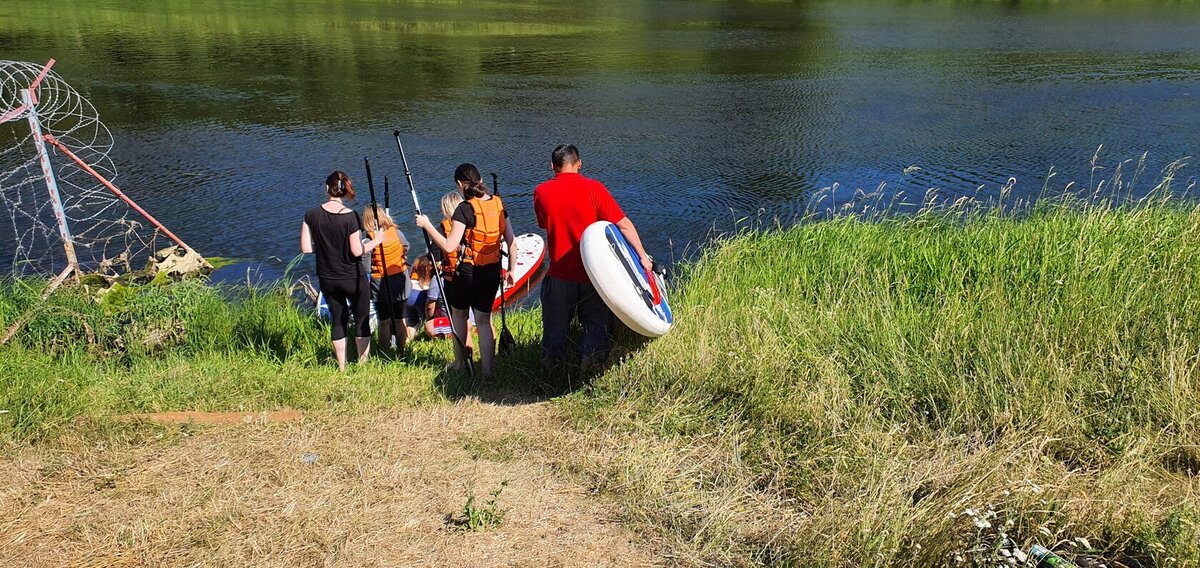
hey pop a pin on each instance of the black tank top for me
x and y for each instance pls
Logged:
(331, 243)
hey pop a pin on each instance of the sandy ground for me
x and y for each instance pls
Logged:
(315, 491)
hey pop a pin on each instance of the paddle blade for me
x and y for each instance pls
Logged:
(506, 343)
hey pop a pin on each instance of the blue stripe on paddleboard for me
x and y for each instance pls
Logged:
(634, 267)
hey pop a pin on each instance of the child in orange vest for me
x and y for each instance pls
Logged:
(392, 278)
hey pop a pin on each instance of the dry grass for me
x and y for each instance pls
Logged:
(710, 507)
(717, 506)
(378, 494)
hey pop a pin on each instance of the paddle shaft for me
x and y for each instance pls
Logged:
(503, 300)
(437, 270)
(385, 286)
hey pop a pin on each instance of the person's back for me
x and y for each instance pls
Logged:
(333, 233)
(389, 275)
(329, 232)
(394, 251)
(566, 205)
(483, 240)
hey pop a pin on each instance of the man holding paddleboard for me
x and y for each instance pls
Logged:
(565, 206)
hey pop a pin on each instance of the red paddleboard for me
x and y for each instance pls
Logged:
(531, 251)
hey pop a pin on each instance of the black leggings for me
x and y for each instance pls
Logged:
(358, 294)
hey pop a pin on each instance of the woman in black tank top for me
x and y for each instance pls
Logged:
(333, 232)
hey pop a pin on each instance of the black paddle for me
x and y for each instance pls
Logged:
(506, 342)
(437, 271)
(387, 197)
(385, 286)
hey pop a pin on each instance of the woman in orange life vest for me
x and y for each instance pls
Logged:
(477, 228)
(394, 249)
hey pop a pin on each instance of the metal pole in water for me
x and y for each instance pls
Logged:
(51, 182)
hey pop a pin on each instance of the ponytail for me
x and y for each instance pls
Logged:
(338, 185)
(468, 174)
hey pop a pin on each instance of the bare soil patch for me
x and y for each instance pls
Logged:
(328, 491)
(222, 418)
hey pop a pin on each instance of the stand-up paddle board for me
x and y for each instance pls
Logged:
(531, 250)
(637, 298)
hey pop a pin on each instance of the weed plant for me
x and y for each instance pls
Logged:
(476, 517)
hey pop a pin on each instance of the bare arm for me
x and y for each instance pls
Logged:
(306, 245)
(512, 253)
(509, 237)
(631, 235)
(356, 244)
(371, 244)
(450, 242)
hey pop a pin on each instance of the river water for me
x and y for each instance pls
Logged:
(228, 114)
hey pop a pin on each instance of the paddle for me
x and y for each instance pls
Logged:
(506, 342)
(385, 287)
(437, 270)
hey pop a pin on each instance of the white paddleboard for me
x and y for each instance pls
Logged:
(531, 250)
(640, 302)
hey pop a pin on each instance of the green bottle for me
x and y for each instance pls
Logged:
(1047, 559)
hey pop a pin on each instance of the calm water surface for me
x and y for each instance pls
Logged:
(228, 114)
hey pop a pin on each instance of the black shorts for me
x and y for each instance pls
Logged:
(398, 285)
(474, 287)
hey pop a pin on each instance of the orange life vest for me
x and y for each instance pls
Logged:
(394, 250)
(483, 240)
(449, 259)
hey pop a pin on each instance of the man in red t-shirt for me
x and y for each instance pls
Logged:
(565, 206)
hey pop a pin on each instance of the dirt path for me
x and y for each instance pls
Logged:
(325, 491)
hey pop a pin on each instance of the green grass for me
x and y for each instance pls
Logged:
(191, 346)
(842, 392)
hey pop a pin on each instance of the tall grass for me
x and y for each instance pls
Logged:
(185, 346)
(947, 386)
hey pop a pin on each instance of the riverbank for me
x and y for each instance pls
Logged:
(943, 387)
(921, 390)
(191, 346)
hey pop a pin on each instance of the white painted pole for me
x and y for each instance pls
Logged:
(51, 183)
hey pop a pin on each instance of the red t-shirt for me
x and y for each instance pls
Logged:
(565, 206)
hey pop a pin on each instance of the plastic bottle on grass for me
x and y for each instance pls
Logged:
(1047, 559)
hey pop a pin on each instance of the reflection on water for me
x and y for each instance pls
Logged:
(229, 113)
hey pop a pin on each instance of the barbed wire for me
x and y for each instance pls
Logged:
(106, 237)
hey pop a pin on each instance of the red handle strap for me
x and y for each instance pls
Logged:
(653, 287)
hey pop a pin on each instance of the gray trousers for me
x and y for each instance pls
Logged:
(565, 299)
